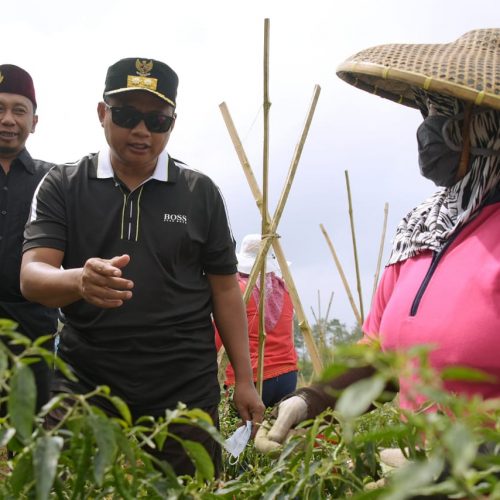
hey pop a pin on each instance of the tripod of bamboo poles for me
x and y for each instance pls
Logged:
(358, 313)
(270, 225)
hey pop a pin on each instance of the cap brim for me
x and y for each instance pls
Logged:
(128, 89)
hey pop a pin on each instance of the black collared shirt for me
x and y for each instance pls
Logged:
(157, 348)
(16, 192)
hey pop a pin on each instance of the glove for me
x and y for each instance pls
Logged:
(290, 412)
(393, 458)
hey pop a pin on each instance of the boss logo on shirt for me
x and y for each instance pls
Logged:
(179, 218)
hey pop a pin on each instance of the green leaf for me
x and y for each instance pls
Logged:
(161, 437)
(22, 473)
(333, 371)
(123, 409)
(7, 325)
(357, 398)
(40, 341)
(197, 413)
(104, 434)
(465, 373)
(5, 436)
(462, 447)
(3, 364)
(22, 401)
(45, 459)
(121, 483)
(413, 476)
(128, 447)
(82, 463)
(201, 459)
(63, 368)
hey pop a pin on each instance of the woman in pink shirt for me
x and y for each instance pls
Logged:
(441, 285)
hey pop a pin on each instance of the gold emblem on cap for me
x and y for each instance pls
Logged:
(143, 80)
(143, 67)
(1, 77)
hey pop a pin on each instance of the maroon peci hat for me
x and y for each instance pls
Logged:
(15, 80)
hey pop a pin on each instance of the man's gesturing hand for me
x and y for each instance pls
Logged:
(101, 282)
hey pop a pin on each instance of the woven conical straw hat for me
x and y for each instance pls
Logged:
(468, 69)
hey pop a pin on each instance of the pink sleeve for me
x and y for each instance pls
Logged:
(371, 326)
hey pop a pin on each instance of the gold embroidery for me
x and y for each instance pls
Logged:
(143, 67)
(145, 82)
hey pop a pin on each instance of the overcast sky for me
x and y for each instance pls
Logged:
(216, 47)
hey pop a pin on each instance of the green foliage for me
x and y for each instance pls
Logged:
(451, 452)
(338, 456)
(327, 335)
(87, 455)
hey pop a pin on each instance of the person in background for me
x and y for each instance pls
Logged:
(136, 249)
(19, 177)
(280, 357)
(441, 284)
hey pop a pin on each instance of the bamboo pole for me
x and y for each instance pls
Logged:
(288, 184)
(264, 212)
(319, 328)
(329, 306)
(330, 352)
(380, 251)
(354, 247)
(342, 276)
(322, 325)
(280, 256)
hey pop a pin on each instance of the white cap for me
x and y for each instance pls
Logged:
(248, 253)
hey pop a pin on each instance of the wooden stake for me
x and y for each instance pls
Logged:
(355, 247)
(342, 276)
(264, 212)
(380, 252)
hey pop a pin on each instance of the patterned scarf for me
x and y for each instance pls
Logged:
(430, 225)
(275, 297)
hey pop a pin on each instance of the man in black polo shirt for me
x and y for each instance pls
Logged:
(147, 256)
(19, 176)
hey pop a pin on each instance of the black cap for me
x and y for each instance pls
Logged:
(138, 73)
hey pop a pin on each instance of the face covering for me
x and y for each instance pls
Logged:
(438, 154)
(437, 161)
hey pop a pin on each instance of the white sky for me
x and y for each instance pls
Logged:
(217, 49)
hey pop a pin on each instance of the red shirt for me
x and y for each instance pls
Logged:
(279, 351)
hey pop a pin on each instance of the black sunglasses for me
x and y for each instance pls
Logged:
(127, 117)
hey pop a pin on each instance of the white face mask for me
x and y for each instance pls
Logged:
(236, 443)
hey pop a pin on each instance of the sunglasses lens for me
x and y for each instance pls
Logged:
(157, 122)
(125, 117)
(130, 117)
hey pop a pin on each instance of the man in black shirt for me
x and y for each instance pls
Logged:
(136, 248)
(19, 176)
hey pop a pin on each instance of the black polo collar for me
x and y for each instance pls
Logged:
(24, 158)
